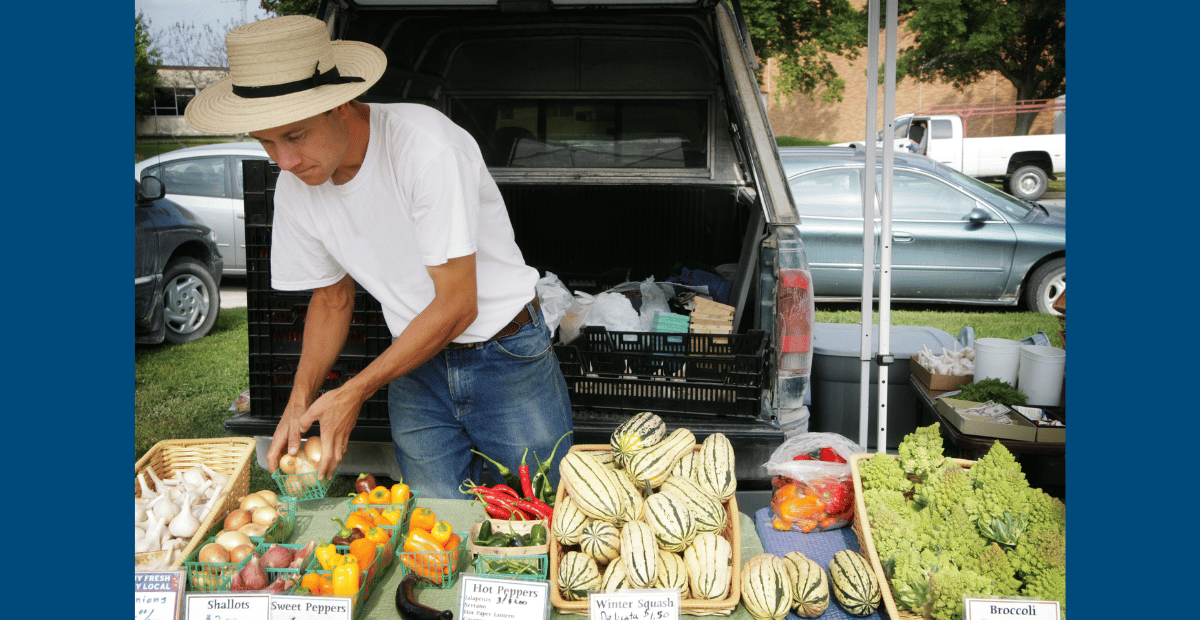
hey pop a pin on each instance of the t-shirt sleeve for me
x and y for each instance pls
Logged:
(445, 206)
(299, 261)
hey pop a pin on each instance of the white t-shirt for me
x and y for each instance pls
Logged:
(422, 196)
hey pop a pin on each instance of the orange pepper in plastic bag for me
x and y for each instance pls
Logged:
(797, 508)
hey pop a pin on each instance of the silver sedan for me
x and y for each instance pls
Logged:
(207, 180)
(954, 238)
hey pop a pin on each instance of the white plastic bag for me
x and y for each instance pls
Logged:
(611, 311)
(654, 301)
(782, 461)
(555, 299)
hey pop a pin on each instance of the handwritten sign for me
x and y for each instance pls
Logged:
(656, 604)
(1011, 609)
(503, 599)
(157, 594)
(310, 608)
(227, 606)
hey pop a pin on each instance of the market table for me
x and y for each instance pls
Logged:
(1044, 463)
(314, 521)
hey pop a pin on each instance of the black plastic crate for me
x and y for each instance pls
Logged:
(707, 375)
(275, 325)
(258, 191)
(271, 379)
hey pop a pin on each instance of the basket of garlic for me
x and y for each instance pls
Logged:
(181, 488)
(946, 370)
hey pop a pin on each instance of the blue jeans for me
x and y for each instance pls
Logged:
(498, 397)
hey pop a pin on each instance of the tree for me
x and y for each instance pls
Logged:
(801, 35)
(291, 7)
(192, 49)
(961, 40)
(146, 60)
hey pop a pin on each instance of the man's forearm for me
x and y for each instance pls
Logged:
(325, 329)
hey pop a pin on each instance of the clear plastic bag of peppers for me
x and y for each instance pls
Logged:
(812, 490)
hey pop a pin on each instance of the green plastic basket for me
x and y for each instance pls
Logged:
(310, 563)
(301, 486)
(287, 516)
(368, 577)
(440, 567)
(522, 567)
(210, 576)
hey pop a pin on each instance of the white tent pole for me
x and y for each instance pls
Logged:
(885, 234)
(868, 211)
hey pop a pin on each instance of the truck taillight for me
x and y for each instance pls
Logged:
(794, 307)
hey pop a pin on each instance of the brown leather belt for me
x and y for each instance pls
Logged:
(523, 317)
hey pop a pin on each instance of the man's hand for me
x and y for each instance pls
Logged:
(337, 411)
(287, 435)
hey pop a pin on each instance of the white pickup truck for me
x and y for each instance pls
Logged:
(1023, 163)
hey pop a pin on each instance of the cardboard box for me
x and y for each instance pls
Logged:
(1020, 430)
(1045, 434)
(938, 382)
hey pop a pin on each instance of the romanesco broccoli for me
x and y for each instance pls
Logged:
(946, 489)
(1049, 586)
(1003, 494)
(1045, 508)
(994, 564)
(1042, 549)
(910, 578)
(921, 451)
(953, 536)
(948, 585)
(883, 471)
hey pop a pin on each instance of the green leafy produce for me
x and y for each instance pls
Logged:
(994, 390)
(951, 532)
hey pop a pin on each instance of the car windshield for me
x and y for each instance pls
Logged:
(1014, 207)
(901, 130)
(594, 133)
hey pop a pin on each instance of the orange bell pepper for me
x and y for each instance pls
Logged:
(452, 543)
(423, 556)
(422, 518)
(360, 499)
(316, 583)
(377, 535)
(360, 521)
(379, 495)
(400, 493)
(364, 550)
(440, 532)
(797, 508)
(391, 517)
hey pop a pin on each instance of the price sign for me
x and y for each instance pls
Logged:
(1011, 609)
(157, 594)
(503, 599)
(310, 608)
(227, 606)
(656, 604)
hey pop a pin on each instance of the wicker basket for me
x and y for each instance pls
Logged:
(862, 528)
(228, 455)
(690, 606)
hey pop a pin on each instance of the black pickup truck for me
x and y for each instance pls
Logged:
(627, 138)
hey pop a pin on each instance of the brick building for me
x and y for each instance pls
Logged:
(798, 116)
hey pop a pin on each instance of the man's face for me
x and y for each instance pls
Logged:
(312, 148)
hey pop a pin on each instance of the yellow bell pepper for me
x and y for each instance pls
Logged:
(327, 556)
(400, 493)
(346, 579)
(390, 517)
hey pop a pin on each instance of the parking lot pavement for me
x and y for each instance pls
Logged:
(233, 292)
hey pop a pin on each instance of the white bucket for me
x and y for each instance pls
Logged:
(1041, 374)
(997, 358)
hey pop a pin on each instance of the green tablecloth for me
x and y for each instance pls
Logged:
(314, 521)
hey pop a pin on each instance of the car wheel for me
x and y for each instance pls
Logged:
(1046, 283)
(191, 300)
(1028, 182)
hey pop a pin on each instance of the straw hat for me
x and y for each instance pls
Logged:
(283, 70)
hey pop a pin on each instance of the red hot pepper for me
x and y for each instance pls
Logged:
(526, 481)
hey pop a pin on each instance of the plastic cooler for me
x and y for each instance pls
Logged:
(837, 371)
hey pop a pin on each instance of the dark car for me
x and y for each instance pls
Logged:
(954, 238)
(177, 269)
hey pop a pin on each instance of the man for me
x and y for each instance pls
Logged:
(396, 198)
